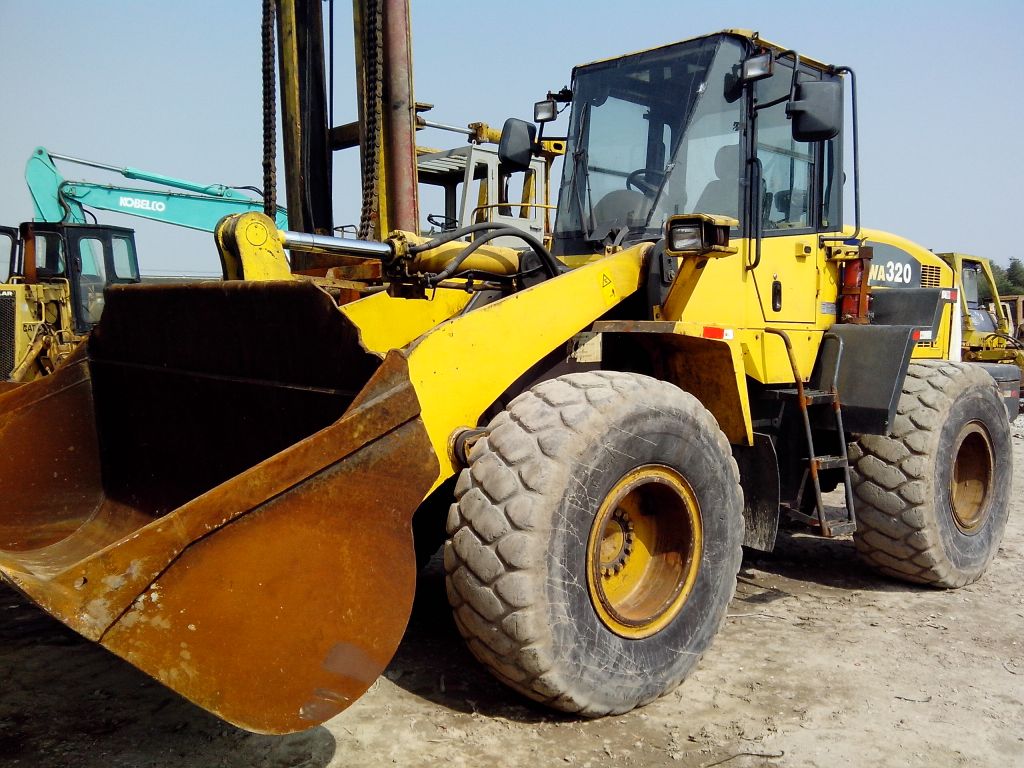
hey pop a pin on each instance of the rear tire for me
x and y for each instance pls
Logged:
(595, 542)
(933, 495)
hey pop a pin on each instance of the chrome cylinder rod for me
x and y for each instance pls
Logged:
(302, 241)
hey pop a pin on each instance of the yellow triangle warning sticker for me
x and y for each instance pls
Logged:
(608, 288)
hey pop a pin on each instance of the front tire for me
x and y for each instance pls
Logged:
(933, 495)
(595, 542)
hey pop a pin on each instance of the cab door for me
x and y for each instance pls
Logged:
(790, 186)
(8, 252)
(100, 256)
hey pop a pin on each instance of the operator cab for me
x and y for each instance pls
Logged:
(88, 257)
(722, 125)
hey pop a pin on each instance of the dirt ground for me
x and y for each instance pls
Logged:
(821, 663)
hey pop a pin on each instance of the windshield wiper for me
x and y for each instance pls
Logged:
(656, 200)
(580, 165)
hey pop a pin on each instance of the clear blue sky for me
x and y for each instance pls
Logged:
(174, 87)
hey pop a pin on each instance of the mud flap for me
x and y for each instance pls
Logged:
(759, 477)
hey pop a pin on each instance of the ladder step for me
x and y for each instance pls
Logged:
(814, 396)
(840, 528)
(837, 526)
(831, 462)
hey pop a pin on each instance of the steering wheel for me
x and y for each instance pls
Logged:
(638, 180)
(444, 223)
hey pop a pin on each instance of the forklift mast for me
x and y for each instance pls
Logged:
(387, 116)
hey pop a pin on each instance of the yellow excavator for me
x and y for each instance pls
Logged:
(228, 491)
(51, 290)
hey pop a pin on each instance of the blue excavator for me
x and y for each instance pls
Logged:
(198, 206)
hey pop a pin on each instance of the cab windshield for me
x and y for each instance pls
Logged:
(652, 135)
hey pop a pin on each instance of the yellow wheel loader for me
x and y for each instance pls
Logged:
(230, 499)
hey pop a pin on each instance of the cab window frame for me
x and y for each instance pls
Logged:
(818, 181)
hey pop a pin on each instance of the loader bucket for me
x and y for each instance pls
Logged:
(220, 489)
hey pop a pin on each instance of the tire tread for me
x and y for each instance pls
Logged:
(520, 455)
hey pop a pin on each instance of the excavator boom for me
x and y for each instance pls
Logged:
(198, 206)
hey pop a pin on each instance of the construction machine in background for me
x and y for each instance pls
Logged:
(43, 317)
(57, 266)
(985, 336)
(598, 425)
(199, 206)
(51, 290)
(1014, 307)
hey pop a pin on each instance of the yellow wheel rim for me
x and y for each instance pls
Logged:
(644, 551)
(972, 477)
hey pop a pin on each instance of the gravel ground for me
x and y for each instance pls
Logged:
(821, 663)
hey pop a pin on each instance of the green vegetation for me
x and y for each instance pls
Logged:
(1009, 280)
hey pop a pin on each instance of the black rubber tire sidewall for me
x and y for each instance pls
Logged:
(972, 552)
(579, 636)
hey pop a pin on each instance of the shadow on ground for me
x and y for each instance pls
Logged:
(61, 690)
(801, 556)
(67, 702)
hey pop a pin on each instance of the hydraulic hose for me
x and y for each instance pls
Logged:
(551, 264)
(553, 267)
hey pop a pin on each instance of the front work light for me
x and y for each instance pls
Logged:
(699, 234)
(685, 237)
(545, 111)
(757, 67)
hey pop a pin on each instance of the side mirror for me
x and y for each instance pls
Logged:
(816, 110)
(516, 146)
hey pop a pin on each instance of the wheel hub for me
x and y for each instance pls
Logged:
(971, 481)
(644, 551)
(616, 543)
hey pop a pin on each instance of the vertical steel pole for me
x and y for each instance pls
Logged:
(400, 117)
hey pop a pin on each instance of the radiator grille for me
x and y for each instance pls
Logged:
(930, 276)
(6, 336)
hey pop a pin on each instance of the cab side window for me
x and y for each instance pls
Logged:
(6, 255)
(787, 166)
(49, 255)
(125, 264)
(92, 278)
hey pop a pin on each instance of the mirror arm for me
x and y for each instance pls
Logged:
(796, 71)
(856, 158)
(792, 85)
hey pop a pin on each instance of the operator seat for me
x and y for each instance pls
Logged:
(721, 196)
(621, 208)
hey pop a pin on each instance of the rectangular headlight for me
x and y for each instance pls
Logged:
(685, 237)
(701, 235)
(545, 111)
(757, 67)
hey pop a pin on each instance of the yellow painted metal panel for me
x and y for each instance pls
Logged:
(463, 365)
(729, 295)
(387, 323)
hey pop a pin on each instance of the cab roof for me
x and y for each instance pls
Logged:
(753, 38)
